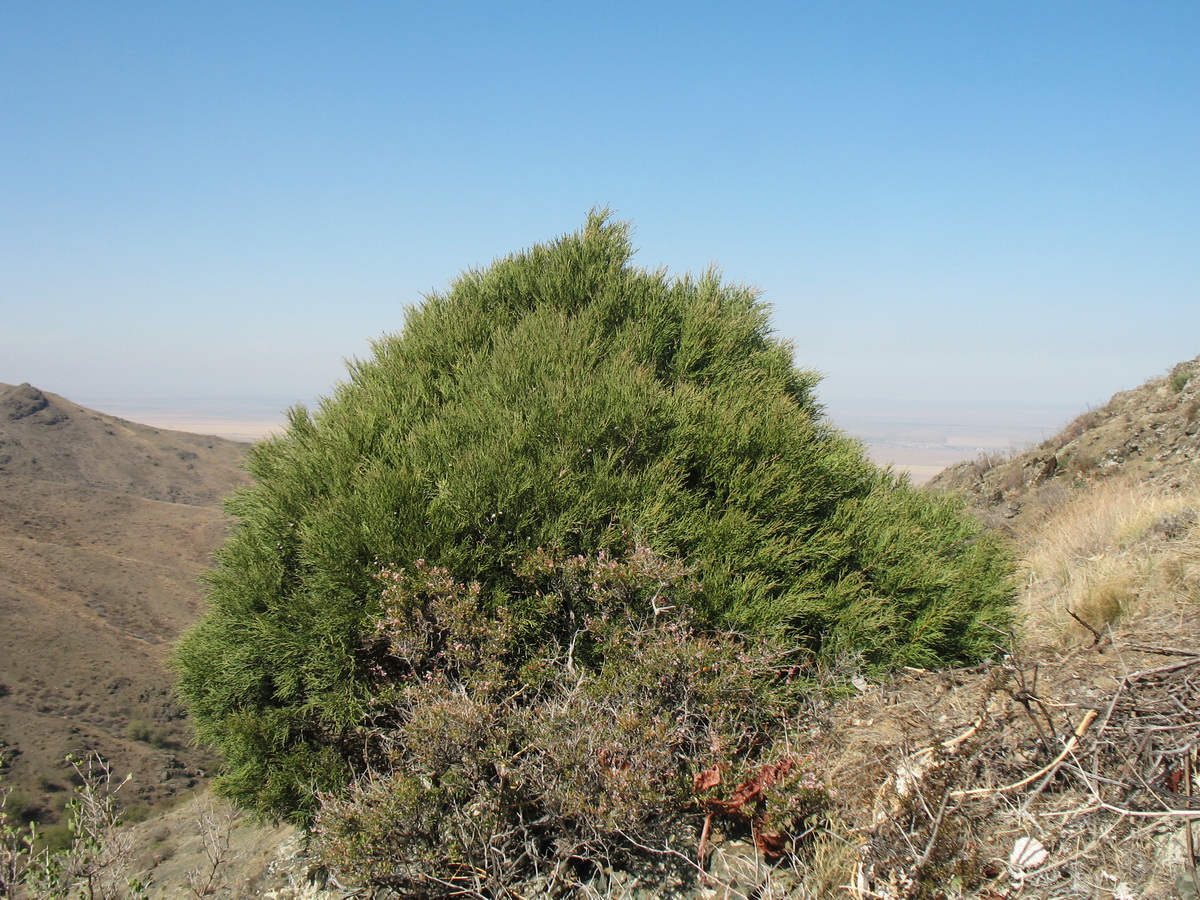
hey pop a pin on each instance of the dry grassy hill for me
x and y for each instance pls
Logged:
(1106, 513)
(104, 527)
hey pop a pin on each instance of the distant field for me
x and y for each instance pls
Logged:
(230, 427)
(249, 425)
(923, 439)
(918, 439)
(921, 463)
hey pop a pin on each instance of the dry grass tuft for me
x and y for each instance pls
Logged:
(1118, 549)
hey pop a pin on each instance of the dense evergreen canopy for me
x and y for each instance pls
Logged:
(566, 399)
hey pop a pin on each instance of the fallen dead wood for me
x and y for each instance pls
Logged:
(1097, 777)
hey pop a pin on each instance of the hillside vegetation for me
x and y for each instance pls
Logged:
(1059, 768)
(1063, 766)
(105, 526)
(1103, 510)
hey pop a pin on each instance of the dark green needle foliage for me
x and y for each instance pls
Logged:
(565, 399)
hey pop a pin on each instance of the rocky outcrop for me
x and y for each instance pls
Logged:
(25, 402)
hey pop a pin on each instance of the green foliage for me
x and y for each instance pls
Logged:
(21, 808)
(565, 399)
(145, 732)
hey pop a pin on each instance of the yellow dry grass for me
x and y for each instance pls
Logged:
(1118, 550)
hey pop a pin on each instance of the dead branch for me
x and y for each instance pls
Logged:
(1070, 745)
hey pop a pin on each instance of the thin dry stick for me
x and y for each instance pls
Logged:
(1041, 785)
(933, 831)
(457, 890)
(1096, 636)
(1164, 651)
(1191, 846)
(216, 836)
(950, 743)
(1027, 696)
(1152, 814)
(703, 845)
(665, 851)
(1163, 670)
(1082, 727)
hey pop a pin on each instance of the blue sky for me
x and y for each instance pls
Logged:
(950, 205)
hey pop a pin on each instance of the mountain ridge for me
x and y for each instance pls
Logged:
(45, 436)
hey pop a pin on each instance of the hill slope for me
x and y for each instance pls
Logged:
(1053, 770)
(45, 437)
(1057, 770)
(104, 527)
(1150, 434)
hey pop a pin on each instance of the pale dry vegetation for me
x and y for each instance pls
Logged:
(1064, 767)
(1067, 766)
(1122, 549)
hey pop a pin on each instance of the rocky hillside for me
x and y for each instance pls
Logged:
(1150, 434)
(104, 528)
(44, 437)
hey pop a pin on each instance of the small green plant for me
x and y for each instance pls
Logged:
(87, 857)
(22, 808)
(56, 837)
(138, 811)
(1179, 379)
(146, 733)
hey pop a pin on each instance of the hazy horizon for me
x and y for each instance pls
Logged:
(918, 438)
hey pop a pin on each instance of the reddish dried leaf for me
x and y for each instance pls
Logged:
(750, 791)
(770, 775)
(1172, 781)
(745, 793)
(709, 778)
(773, 844)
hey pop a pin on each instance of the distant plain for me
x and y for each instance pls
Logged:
(920, 439)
